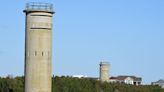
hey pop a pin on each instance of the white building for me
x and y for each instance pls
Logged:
(159, 83)
(133, 80)
(79, 76)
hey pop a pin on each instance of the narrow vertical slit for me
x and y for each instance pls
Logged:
(42, 53)
(35, 53)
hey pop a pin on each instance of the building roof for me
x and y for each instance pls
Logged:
(80, 76)
(124, 77)
(159, 81)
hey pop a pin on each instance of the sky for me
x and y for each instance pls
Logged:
(127, 33)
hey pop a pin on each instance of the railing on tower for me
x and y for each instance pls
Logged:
(38, 6)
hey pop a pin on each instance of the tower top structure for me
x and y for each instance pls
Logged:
(104, 71)
(39, 7)
(104, 63)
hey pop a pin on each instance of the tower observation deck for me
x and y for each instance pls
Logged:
(39, 7)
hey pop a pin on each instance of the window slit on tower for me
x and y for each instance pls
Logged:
(42, 53)
(40, 28)
(42, 15)
(35, 53)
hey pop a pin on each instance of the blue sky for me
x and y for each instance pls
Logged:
(126, 33)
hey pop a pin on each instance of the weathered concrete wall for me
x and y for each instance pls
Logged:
(104, 71)
(38, 51)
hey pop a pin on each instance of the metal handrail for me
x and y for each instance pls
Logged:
(39, 6)
(104, 63)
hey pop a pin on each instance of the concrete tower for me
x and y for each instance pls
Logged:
(38, 47)
(104, 71)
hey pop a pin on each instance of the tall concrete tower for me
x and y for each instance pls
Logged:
(104, 71)
(38, 47)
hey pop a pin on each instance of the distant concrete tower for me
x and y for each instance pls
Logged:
(38, 47)
(104, 71)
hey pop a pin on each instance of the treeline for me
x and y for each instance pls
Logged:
(68, 84)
